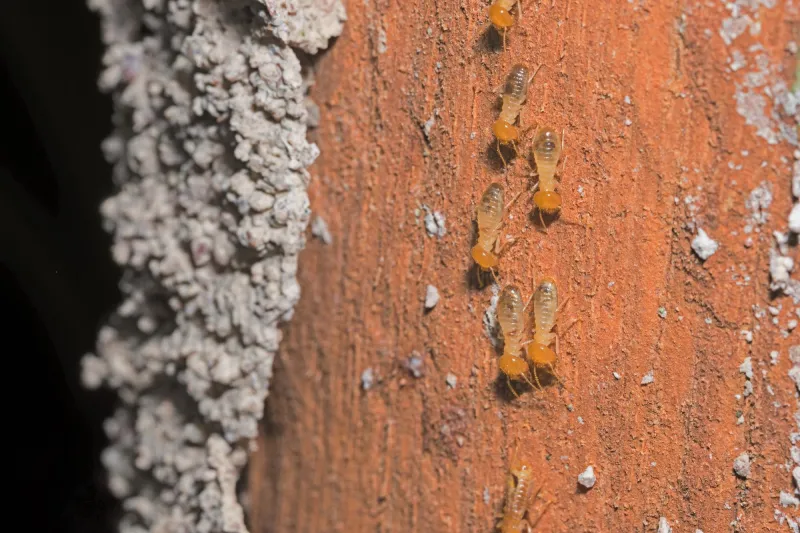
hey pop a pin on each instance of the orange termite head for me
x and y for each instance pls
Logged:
(504, 131)
(548, 202)
(485, 259)
(500, 17)
(512, 366)
(541, 355)
(511, 525)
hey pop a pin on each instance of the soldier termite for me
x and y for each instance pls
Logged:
(490, 213)
(519, 498)
(511, 317)
(515, 92)
(545, 311)
(501, 18)
(546, 150)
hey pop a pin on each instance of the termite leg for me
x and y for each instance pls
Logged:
(514, 200)
(552, 369)
(504, 39)
(539, 518)
(541, 219)
(533, 76)
(536, 377)
(564, 303)
(508, 382)
(519, 8)
(528, 381)
(494, 275)
(479, 276)
(516, 150)
(503, 159)
(507, 246)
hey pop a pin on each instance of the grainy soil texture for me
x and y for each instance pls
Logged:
(386, 417)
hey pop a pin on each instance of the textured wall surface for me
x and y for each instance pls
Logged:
(679, 116)
(210, 157)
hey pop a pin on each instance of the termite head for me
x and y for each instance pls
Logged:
(500, 18)
(511, 525)
(504, 131)
(541, 355)
(548, 202)
(485, 259)
(512, 366)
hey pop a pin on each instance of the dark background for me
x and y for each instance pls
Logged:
(57, 281)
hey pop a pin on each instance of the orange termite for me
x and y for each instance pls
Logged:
(490, 213)
(519, 498)
(511, 317)
(545, 309)
(546, 152)
(501, 18)
(515, 92)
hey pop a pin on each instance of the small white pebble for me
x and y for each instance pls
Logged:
(663, 526)
(580, 420)
(703, 245)
(367, 379)
(451, 380)
(587, 478)
(788, 499)
(648, 378)
(616, 375)
(746, 368)
(747, 335)
(741, 466)
(431, 297)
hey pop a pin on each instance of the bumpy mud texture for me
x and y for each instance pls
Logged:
(210, 157)
(656, 148)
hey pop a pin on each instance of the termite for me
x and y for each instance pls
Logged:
(511, 317)
(501, 18)
(545, 310)
(515, 92)
(546, 150)
(519, 498)
(490, 213)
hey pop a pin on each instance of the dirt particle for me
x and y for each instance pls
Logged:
(587, 478)
(319, 229)
(486, 496)
(367, 379)
(663, 526)
(788, 499)
(703, 245)
(431, 297)
(490, 325)
(741, 466)
(662, 312)
(415, 364)
(434, 223)
(648, 378)
(746, 368)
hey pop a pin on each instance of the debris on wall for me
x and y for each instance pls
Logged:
(209, 155)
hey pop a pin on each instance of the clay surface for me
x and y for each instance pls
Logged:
(655, 148)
